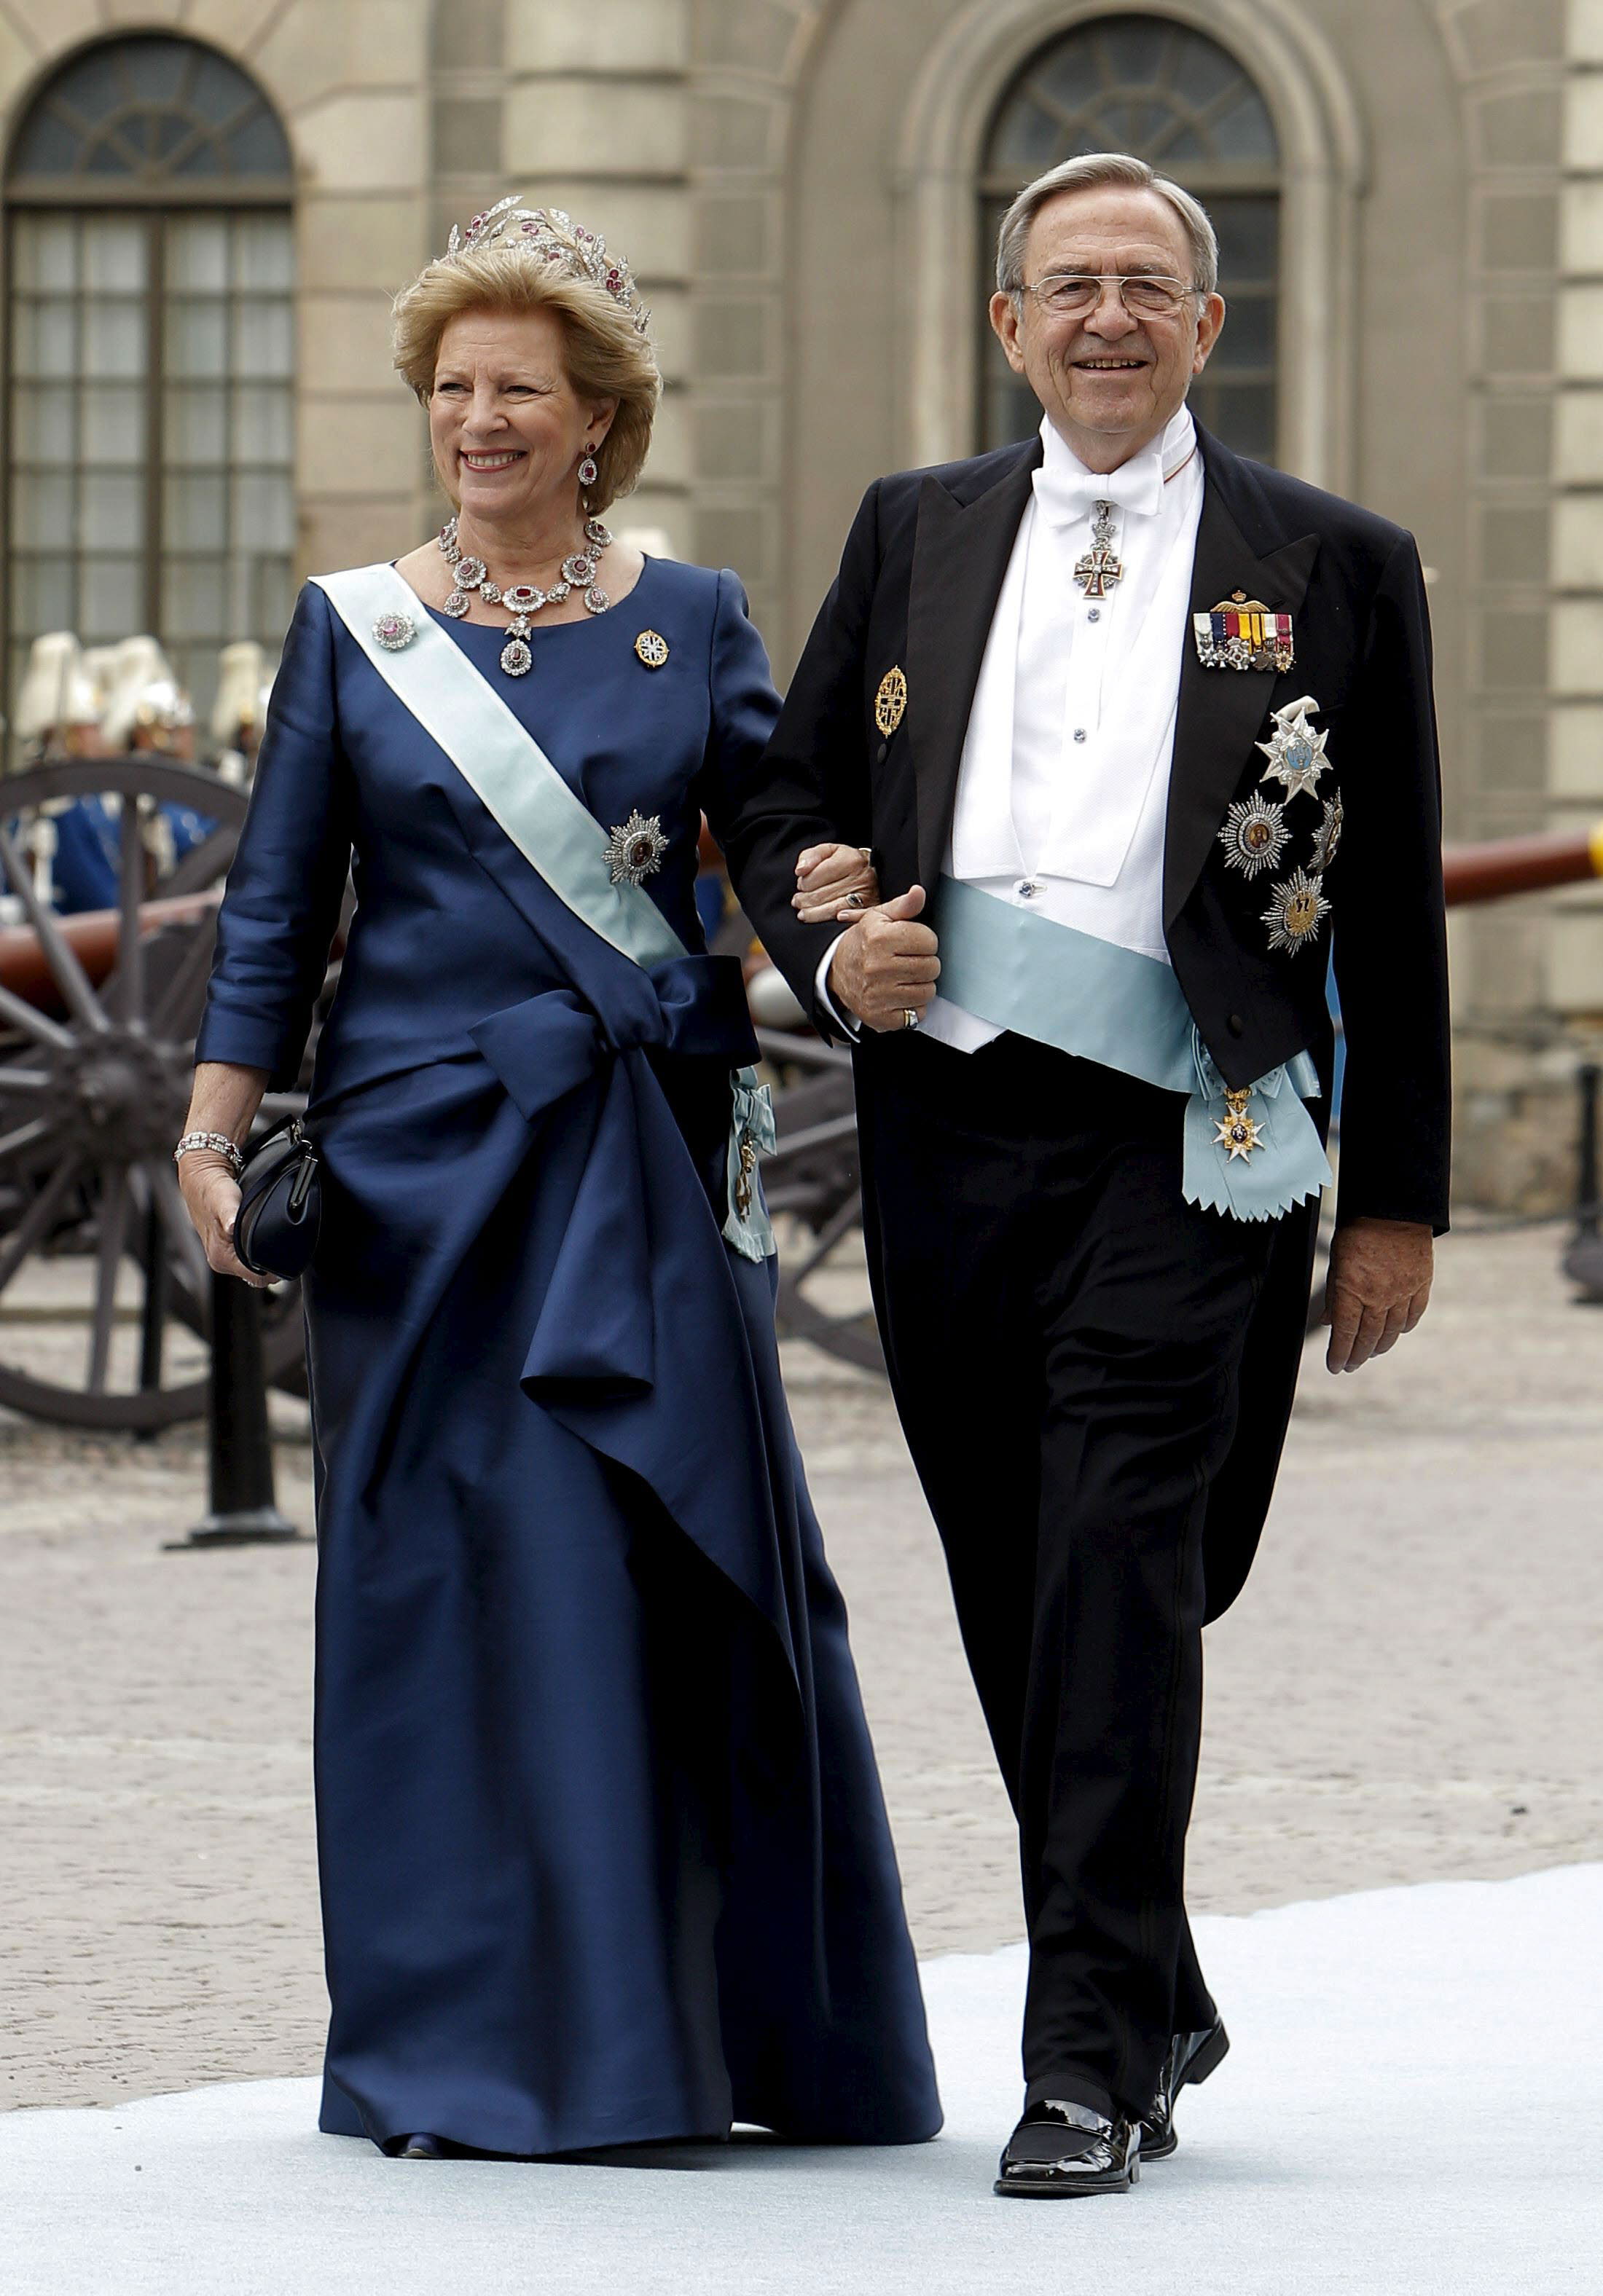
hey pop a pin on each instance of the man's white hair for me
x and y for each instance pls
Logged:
(1088, 172)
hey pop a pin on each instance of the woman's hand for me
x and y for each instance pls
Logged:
(833, 881)
(211, 1195)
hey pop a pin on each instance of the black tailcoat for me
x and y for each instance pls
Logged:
(916, 591)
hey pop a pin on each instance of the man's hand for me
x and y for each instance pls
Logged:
(834, 881)
(885, 966)
(1377, 1287)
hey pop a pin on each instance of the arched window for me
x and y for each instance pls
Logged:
(148, 466)
(1176, 99)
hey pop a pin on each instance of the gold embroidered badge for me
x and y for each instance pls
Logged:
(890, 701)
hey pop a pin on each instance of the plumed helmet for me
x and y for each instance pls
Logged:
(57, 690)
(144, 691)
(241, 689)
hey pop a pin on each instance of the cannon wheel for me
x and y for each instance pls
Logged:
(813, 1177)
(92, 1098)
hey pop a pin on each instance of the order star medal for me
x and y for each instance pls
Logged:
(634, 851)
(1238, 1131)
(1296, 753)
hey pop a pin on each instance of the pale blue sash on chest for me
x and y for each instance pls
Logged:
(547, 821)
(1060, 987)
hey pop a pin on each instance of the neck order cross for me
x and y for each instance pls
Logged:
(1101, 569)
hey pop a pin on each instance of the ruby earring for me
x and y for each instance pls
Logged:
(589, 472)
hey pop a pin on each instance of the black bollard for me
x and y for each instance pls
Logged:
(153, 1321)
(243, 1511)
(1582, 1263)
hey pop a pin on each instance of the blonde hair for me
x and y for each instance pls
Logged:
(605, 354)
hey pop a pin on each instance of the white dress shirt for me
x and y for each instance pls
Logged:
(1062, 787)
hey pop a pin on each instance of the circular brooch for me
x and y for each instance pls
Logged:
(652, 647)
(394, 630)
(635, 850)
(1254, 836)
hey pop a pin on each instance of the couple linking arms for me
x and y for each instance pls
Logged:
(1097, 742)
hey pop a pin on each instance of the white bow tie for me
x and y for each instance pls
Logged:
(1066, 494)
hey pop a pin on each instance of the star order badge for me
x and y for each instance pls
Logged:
(891, 700)
(1238, 1131)
(634, 851)
(1295, 912)
(1328, 836)
(1255, 835)
(1296, 753)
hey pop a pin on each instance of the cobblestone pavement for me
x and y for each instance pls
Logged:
(1406, 1692)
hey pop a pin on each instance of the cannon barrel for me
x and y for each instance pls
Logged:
(1521, 864)
(92, 935)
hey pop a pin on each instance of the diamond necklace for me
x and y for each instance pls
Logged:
(521, 599)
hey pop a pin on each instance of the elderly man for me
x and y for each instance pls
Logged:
(1136, 731)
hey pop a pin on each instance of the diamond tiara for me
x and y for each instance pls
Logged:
(550, 235)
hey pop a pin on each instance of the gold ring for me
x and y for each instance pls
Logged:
(910, 1018)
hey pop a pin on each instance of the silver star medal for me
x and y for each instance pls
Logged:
(1255, 835)
(1295, 912)
(1296, 753)
(1328, 836)
(634, 851)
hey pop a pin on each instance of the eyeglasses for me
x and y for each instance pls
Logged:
(1145, 295)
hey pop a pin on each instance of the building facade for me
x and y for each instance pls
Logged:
(210, 203)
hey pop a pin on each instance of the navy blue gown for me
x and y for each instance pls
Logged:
(603, 1853)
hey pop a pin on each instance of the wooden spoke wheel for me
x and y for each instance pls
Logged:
(104, 1286)
(813, 1178)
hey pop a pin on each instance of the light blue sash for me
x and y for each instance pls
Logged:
(557, 836)
(1063, 988)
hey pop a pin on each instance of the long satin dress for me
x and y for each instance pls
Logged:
(602, 1851)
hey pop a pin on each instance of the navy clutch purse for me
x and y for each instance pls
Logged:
(280, 1205)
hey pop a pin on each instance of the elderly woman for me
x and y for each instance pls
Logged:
(604, 1855)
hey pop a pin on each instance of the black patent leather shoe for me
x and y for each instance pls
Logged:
(1192, 2058)
(1063, 2152)
(421, 2147)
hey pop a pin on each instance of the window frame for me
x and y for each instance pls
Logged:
(1212, 179)
(158, 198)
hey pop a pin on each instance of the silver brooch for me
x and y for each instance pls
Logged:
(1255, 835)
(1328, 836)
(635, 850)
(1296, 753)
(394, 630)
(1295, 912)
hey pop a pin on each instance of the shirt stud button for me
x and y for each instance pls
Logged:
(1080, 733)
(1093, 614)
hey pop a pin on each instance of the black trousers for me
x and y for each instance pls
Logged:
(1065, 1335)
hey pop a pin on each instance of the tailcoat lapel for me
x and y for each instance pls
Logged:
(960, 555)
(1221, 711)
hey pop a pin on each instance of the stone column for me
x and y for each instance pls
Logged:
(1575, 957)
(1510, 64)
(595, 121)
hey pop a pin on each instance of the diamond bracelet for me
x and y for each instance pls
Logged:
(217, 1142)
